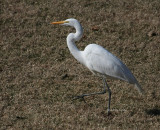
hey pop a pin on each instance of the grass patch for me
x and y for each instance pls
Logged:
(39, 76)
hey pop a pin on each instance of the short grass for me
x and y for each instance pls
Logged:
(39, 76)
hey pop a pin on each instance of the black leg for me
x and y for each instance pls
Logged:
(109, 92)
(103, 92)
(83, 95)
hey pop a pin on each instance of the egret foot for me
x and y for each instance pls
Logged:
(108, 112)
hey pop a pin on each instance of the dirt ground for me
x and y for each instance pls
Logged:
(39, 76)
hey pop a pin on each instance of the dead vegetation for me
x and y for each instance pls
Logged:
(39, 76)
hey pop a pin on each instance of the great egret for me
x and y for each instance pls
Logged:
(98, 60)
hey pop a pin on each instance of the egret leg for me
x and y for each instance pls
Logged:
(109, 92)
(103, 92)
(83, 95)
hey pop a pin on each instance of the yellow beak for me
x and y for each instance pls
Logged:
(60, 22)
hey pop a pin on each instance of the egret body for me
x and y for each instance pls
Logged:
(98, 60)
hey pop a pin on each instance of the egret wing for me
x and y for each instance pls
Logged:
(102, 61)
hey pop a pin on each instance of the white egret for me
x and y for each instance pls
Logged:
(98, 60)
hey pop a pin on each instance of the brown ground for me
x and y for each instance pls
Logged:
(39, 76)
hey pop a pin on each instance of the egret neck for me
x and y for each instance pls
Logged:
(71, 38)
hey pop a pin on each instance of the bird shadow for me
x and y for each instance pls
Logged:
(153, 111)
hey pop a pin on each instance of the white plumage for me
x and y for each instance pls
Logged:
(98, 60)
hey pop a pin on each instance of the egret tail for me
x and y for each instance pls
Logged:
(139, 88)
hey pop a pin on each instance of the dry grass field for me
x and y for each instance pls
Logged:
(39, 76)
